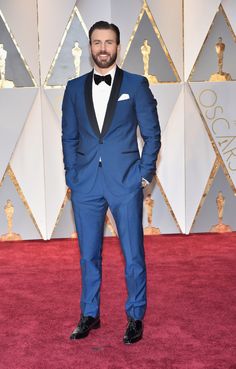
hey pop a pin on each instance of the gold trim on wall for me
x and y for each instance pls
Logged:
(220, 9)
(228, 22)
(3, 177)
(207, 188)
(66, 199)
(13, 179)
(167, 203)
(146, 9)
(74, 13)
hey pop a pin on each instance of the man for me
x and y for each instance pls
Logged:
(101, 112)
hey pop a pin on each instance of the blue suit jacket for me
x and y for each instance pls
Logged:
(116, 145)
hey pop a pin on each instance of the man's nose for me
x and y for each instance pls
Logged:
(103, 47)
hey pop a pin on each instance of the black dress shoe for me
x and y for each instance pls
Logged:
(134, 331)
(85, 325)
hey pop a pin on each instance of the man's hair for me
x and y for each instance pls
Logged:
(105, 25)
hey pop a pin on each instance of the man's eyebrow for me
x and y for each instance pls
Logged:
(97, 40)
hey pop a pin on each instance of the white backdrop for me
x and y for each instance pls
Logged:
(198, 117)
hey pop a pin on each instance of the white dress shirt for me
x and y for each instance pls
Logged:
(101, 95)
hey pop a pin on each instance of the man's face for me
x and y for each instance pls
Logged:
(104, 48)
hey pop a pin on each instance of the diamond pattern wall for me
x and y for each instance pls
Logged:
(196, 176)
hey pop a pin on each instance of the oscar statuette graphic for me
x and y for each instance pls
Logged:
(220, 227)
(77, 52)
(4, 83)
(149, 204)
(9, 212)
(220, 76)
(146, 51)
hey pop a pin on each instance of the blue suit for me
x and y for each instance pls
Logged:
(115, 182)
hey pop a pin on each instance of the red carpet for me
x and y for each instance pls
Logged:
(190, 321)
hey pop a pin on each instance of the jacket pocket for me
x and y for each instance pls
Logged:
(129, 152)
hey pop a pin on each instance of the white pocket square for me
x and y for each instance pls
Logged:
(123, 97)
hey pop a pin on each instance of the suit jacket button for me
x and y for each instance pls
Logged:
(101, 141)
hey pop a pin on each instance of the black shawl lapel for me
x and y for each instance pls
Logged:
(110, 106)
(89, 103)
(112, 100)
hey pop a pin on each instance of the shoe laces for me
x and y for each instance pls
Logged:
(132, 323)
(83, 320)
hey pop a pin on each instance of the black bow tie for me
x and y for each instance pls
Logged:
(106, 79)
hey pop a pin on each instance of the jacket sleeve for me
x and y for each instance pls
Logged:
(70, 131)
(147, 116)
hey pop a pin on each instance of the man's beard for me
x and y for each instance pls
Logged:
(104, 63)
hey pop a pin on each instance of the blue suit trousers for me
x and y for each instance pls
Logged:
(89, 212)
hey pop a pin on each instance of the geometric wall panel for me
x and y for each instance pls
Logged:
(102, 11)
(65, 226)
(53, 165)
(160, 64)
(172, 35)
(199, 157)
(20, 24)
(108, 229)
(197, 20)
(17, 70)
(27, 164)
(208, 214)
(216, 101)
(53, 18)
(166, 96)
(23, 223)
(110, 225)
(55, 96)
(63, 67)
(132, 8)
(229, 7)
(207, 61)
(156, 213)
(171, 170)
(15, 106)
